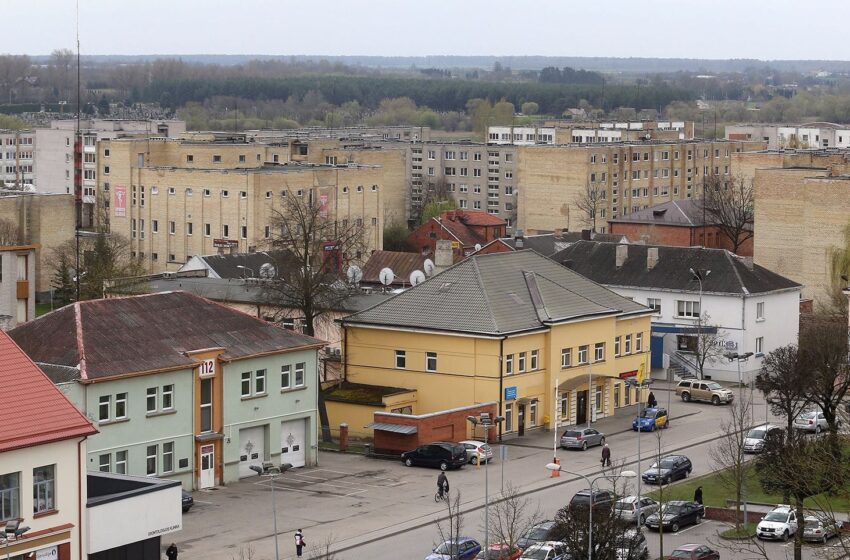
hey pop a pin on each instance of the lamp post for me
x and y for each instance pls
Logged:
(14, 531)
(590, 481)
(240, 267)
(738, 358)
(272, 475)
(486, 422)
(699, 276)
(632, 382)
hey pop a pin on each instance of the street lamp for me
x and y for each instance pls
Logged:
(743, 358)
(633, 382)
(240, 267)
(486, 422)
(272, 475)
(13, 531)
(589, 481)
(699, 276)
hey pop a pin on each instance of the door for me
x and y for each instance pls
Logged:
(581, 407)
(520, 416)
(656, 347)
(293, 449)
(207, 466)
(251, 450)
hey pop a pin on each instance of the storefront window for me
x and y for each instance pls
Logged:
(509, 417)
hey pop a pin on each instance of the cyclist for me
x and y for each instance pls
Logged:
(442, 485)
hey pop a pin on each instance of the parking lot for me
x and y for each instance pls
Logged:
(329, 482)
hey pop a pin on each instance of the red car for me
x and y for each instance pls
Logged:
(695, 552)
(500, 551)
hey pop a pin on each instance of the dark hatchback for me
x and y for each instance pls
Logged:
(669, 469)
(602, 499)
(537, 534)
(676, 514)
(439, 454)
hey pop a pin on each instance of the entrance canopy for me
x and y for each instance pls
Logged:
(576, 382)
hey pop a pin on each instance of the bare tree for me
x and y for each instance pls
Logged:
(823, 345)
(727, 455)
(511, 517)
(729, 206)
(435, 197)
(710, 343)
(450, 527)
(590, 201)
(785, 383)
(9, 233)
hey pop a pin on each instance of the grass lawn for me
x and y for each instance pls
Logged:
(41, 309)
(744, 533)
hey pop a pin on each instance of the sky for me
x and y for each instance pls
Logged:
(718, 29)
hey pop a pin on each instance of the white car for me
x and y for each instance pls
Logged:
(756, 437)
(779, 524)
(477, 451)
(548, 550)
(812, 421)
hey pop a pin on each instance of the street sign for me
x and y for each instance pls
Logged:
(510, 393)
(503, 452)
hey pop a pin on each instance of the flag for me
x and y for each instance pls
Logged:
(641, 374)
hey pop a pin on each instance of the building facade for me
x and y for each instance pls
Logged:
(803, 136)
(17, 284)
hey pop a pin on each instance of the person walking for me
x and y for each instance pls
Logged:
(698, 495)
(606, 456)
(171, 552)
(650, 401)
(300, 543)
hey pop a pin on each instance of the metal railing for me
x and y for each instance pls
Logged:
(685, 363)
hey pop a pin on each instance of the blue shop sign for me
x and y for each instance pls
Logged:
(510, 393)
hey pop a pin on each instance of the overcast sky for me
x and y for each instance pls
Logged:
(775, 29)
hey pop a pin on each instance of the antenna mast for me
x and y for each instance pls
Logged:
(78, 172)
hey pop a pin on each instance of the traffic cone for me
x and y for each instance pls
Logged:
(556, 473)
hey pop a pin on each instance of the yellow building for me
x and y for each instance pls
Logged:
(550, 346)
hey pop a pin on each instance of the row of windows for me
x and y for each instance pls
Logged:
(533, 362)
(43, 492)
(159, 460)
(253, 383)
(172, 191)
(430, 360)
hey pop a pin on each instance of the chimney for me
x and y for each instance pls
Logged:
(651, 257)
(586, 235)
(443, 256)
(621, 255)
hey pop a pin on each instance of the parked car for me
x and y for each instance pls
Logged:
(756, 438)
(601, 499)
(676, 514)
(500, 551)
(695, 552)
(819, 530)
(477, 451)
(628, 510)
(442, 454)
(548, 550)
(812, 421)
(650, 419)
(187, 501)
(537, 534)
(632, 545)
(705, 391)
(779, 524)
(670, 468)
(463, 548)
(582, 438)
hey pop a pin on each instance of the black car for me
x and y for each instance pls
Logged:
(187, 501)
(442, 454)
(672, 467)
(539, 533)
(601, 499)
(676, 514)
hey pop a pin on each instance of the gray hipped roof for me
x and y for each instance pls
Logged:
(496, 294)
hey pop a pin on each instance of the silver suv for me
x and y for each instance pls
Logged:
(706, 391)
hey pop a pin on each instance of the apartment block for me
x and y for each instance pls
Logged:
(803, 136)
(628, 177)
(17, 159)
(590, 132)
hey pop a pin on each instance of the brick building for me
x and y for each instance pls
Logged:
(466, 230)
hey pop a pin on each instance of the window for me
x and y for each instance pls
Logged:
(639, 342)
(243, 194)
(121, 462)
(760, 311)
(532, 413)
(216, 159)
(225, 231)
(617, 395)
(152, 398)
(172, 228)
(189, 228)
(10, 496)
(760, 346)
(207, 230)
(206, 405)
(150, 462)
(599, 352)
(190, 158)
(582, 354)
(168, 457)
(534, 359)
(167, 397)
(598, 405)
(260, 382)
(120, 406)
(509, 414)
(103, 462)
(241, 158)
(627, 397)
(103, 407)
(244, 232)
(225, 194)
(521, 363)
(430, 361)
(300, 367)
(155, 226)
(654, 304)
(509, 364)
(628, 348)
(565, 406)
(617, 345)
(400, 359)
(687, 308)
(246, 384)
(285, 376)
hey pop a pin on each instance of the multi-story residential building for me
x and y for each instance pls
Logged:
(590, 132)
(180, 386)
(745, 307)
(179, 199)
(403, 133)
(17, 284)
(515, 328)
(623, 178)
(42, 473)
(521, 135)
(795, 136)
(17, 159)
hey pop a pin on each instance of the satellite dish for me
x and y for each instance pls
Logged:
(267, 270)
(428, 265)
(477, 247)
(417, 277)
(355, 274)
(387, 276)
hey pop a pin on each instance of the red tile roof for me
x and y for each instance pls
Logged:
(33, 410)
(477, 218)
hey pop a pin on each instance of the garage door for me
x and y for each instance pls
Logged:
(292, 445)
(251, 452)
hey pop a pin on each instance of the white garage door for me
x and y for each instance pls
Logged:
(292, 444)
(251, 450)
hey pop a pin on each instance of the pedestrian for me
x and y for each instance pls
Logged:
(171, 552)
(606, 456)
(300, 543)
(698, 495)
(650, 401)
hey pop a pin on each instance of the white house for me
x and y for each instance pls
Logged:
(751, 308)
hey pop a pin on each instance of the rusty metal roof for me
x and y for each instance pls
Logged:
(402, 264)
